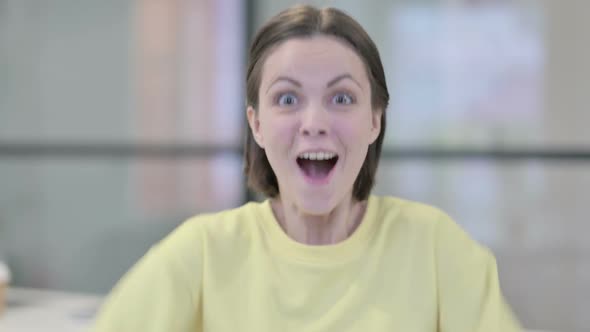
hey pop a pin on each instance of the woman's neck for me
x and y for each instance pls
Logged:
(331, 228)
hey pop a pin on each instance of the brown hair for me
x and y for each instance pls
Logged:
(305, 21)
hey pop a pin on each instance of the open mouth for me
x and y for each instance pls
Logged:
(317, 166)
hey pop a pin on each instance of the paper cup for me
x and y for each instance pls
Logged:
(4, 281)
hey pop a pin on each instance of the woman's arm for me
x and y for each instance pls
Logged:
(470, 298)
(161, 292)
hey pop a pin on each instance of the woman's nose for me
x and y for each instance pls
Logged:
(314, 122)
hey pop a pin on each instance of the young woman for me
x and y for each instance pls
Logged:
(321, 253)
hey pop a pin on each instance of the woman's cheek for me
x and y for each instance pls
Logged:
(347, 130)
(283, 130)
(358, 127)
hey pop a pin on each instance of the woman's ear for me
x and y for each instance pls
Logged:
(254, 124)
(375, 125)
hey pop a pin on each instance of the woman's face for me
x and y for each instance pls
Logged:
(315, 120)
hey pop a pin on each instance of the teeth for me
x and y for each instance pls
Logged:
(317, 155)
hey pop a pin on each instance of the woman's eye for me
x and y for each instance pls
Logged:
(287, 99)
(342, 98)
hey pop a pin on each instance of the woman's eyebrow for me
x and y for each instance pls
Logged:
(341, 77)
(331, 83)
(284, 78)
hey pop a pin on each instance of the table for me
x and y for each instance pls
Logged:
(33, 310)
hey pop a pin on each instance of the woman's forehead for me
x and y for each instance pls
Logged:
(315, 58)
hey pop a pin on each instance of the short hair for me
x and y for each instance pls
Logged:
(304, 21)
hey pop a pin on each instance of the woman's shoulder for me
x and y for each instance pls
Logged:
(234, 221)
(397, 209)
(245, 213)
(418, 216)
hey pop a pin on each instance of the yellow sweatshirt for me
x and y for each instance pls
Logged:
(408, 267)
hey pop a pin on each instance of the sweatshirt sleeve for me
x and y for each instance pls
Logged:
(470, 298)
(161, 292)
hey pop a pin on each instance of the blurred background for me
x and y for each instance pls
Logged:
(120, 119)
